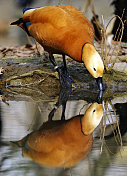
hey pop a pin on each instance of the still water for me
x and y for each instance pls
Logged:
(90, 141)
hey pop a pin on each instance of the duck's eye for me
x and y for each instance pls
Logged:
(94, 110)
(94, 69)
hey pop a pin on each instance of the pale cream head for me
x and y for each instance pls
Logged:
(92, 61)
(92, 118)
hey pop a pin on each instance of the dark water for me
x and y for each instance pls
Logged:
(87, 144)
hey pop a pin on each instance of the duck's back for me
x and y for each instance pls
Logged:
(60, 29)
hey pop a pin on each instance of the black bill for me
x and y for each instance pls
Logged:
(100, 83)
(20, 20)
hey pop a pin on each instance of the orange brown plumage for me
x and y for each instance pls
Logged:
(60, 29)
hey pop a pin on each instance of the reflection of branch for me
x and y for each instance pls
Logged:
(117, 123)
(108, 147)
(103, 131)
(70, 171)
(63, 172)
(111, 124)
(115, 128)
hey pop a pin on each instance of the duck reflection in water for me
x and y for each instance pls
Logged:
(63, 143)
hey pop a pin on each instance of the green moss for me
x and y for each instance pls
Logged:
(22, 60)
(123, 58)
(115, 76)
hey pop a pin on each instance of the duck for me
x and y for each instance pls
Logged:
(62, 143)
(63, 29)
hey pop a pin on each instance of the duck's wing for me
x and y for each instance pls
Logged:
(77, 16)
(48, 25)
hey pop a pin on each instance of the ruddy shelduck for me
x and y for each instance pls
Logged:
(63, 29)
(63, 143)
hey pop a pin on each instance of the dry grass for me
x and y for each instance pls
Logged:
(113, 50)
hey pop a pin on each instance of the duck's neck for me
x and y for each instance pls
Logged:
(88, 51)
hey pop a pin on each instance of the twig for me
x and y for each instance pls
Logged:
(121, 31)
(94, 14)
(102, 47)
(105, 43)
(107, 28)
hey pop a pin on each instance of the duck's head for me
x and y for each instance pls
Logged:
(22, 24)
(92, 118)
(93, 63)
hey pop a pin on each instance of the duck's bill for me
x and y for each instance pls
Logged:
(17, 22)
(100, 83)
(99, 99)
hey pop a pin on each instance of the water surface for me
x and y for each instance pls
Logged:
(106, 154)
